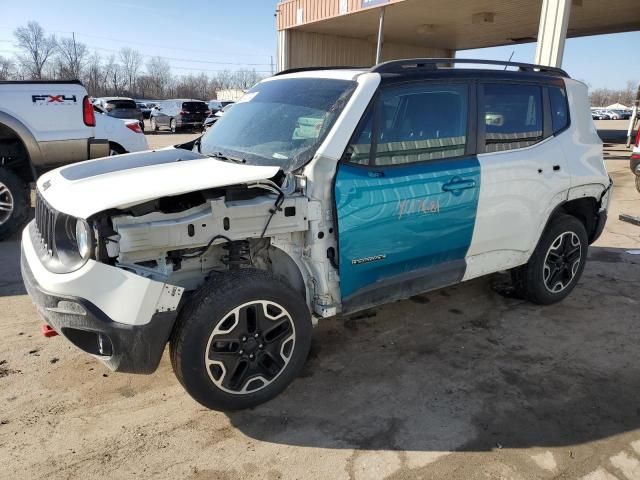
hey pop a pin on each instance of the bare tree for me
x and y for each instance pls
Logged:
(94, 75)
(159, 73)
(244, 79)
(131, 62)
(36, 48)
(71, 56)
(114, 75)
(7, 68)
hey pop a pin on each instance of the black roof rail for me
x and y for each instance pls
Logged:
(397, 66)
(310, 69)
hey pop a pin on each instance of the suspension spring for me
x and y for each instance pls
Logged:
(239, 254)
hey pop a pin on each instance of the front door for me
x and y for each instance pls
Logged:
(407, 193)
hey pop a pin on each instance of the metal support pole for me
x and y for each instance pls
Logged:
(380, 36)
(552, 32)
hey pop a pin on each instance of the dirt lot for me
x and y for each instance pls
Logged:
(462, 383)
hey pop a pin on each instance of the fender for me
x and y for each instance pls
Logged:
(28, 140)
(594, 190)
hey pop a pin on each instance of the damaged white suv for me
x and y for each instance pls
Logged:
(322, 192)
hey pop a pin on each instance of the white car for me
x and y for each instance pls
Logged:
(125, 136)
(322, 192)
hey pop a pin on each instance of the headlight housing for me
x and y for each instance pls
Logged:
(73, 243)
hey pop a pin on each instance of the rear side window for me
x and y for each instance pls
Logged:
(415, 123)
(559, 108)
(194, 106)
(512, 116)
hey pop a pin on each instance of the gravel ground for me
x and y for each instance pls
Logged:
(460, 383)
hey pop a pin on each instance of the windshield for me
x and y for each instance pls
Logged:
(279, 122)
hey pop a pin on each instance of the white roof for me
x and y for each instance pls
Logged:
(617, 106)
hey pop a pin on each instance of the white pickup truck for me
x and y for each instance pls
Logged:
(43, 125)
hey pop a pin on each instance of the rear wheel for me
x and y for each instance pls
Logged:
(241, 340)
(556, 264)
(14, 203)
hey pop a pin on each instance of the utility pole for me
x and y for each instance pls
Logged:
(76, 68)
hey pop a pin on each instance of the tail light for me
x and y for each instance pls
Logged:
(134, 127)
(636, 154)
(207, 112)
(183, 112)
(88, 117)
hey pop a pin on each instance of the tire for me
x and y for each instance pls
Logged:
(216, 334)
(115, 149)
(154, 125)
(638, 183)
(172, 125)
(555, 254)
(14, 203)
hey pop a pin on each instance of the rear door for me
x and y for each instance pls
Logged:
(524, 172)
(406, 193)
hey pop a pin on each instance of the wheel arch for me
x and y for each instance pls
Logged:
(283, 265)
(21, 132)
(584, 209)
(116, 146)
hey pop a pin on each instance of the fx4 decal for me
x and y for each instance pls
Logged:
(53, 99)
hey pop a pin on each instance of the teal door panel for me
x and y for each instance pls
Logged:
(397, 220)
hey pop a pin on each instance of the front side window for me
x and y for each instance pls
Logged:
(559, 109)
(512, 116)
(414, 123)
(279, 122)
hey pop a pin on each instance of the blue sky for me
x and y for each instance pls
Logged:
(215, 35)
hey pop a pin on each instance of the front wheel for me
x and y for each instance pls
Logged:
(14, 203)
(241, 340)
(556, 264)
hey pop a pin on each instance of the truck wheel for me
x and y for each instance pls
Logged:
(172, 125)
(556, 264)
(14, 203)
(241, 339)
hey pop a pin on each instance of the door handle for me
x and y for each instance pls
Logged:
(456, 184)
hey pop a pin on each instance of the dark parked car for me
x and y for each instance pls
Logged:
(144, 108)
(121, 107)
(179, 114)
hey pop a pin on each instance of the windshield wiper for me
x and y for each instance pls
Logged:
(221, 156)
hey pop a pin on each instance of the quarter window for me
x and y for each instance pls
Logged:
(559, 110)
(512, 116)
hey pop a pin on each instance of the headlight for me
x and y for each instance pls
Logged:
(73, 244)
(83, 239)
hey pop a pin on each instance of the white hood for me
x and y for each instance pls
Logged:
(86, 188)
